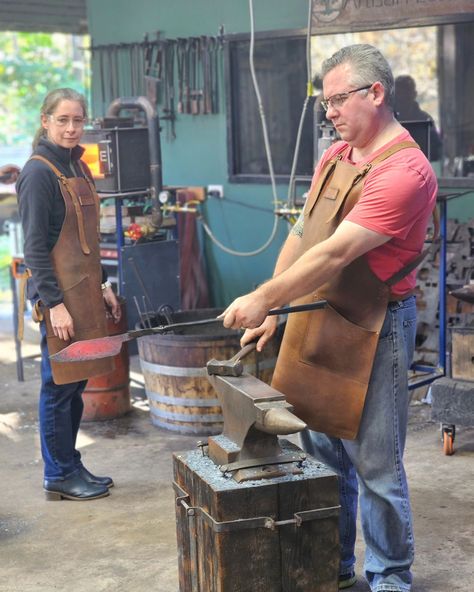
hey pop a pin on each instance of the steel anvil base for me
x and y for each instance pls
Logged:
(269, 535)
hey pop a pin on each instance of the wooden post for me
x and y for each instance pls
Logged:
(270, 535)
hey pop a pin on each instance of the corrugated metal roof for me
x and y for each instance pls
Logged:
(49, 16)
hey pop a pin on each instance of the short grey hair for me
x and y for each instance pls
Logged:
(368, 65)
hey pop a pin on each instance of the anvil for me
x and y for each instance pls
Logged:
(254, 415)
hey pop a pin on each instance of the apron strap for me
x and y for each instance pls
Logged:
(75, 201)
(399, 275)
(87, 177)
(404, 271)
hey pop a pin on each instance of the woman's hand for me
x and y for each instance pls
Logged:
(112, 303)
(61, 321)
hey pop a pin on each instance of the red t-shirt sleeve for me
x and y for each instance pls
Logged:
(394, 194)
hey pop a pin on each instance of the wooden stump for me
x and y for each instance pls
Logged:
(230, 535)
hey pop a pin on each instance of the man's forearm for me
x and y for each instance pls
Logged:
(288, 254)
(319, 264)
(306, 274)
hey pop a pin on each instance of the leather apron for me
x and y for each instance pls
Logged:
(76, 262)
(326, 356)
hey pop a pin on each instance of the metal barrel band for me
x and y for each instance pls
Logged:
(197, 418)
(182, 401)
(201, 371)
(251, 523)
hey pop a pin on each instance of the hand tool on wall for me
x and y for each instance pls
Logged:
(194, 58)
(148, 68)
(133, 53)
(104, 347)
(180, 59)
(150, 80)
(169, 91)
(206, 75)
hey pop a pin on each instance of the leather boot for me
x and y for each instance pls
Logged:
(90, 478)
(73, 488)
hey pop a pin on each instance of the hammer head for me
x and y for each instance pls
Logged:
(232, 367)
(225, 367)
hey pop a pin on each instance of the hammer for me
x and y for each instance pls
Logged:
(234, 366)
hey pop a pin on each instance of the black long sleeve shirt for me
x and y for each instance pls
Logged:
(42, 211)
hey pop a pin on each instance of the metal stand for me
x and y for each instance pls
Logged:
(19, 359)
(118, 198)
(432, 373)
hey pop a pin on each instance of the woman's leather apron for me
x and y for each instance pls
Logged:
(76, 262)
(326, 357)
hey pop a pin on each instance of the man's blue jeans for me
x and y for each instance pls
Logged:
(60, 412)
(371, 466)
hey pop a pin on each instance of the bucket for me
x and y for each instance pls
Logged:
(108, 396)
(181, 398)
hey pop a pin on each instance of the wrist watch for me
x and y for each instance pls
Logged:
(106, 284)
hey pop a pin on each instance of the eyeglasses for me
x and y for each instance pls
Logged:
(338, 100)
(63, 121)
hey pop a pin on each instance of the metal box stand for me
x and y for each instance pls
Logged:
(267, 535)
(462, 345)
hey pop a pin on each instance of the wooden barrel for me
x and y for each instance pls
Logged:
(108, 396)
(181, 398)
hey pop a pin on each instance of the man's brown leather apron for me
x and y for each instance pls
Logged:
(326, 357)
(76, 262)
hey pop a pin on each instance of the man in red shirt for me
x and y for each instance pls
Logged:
(345, 368)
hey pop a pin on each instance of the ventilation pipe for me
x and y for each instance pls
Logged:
(153, 124)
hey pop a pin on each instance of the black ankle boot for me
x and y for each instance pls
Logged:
(74, 488)
(90, 478)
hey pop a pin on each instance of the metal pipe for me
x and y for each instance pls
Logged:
(154, 144)
(443, 206)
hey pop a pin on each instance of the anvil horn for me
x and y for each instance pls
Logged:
(280, 421)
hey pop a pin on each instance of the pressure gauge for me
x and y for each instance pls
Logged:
(163, 197)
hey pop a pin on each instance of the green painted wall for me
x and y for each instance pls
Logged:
(198, 156)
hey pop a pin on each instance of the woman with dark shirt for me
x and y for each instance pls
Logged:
(59, 213)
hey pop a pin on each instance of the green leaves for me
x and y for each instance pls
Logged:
(32, 64)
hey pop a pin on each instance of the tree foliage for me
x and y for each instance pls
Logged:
(32, 64)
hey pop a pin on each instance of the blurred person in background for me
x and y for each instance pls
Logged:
(407, 108)
(9, 173)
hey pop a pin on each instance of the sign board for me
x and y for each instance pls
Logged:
(338, 16)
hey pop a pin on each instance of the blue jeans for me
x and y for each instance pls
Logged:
(371, 466)
(60, 412)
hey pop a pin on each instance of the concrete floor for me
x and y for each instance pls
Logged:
(127, 542)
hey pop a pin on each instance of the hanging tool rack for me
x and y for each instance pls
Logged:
(179, 75)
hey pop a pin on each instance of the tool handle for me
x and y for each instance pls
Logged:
(299, 307)
(276, 311)
(165, 328)
(245, 351)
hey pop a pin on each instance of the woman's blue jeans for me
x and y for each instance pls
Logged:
(370, 468)
(60, 412)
